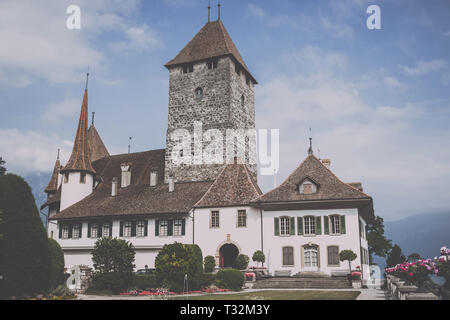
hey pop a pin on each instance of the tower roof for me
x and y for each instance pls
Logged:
(52, 186)
(97, 149)
(80, 160)
(211, 41)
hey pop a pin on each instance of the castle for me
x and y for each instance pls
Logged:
(149, 200)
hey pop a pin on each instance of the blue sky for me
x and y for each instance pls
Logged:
(378, 101)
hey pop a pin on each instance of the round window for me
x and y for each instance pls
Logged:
(198, 93)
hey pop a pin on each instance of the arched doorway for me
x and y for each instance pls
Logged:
(227, 255)
(311, 257)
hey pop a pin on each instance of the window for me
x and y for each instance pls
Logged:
(127, 227)
(307, 187)
(140, 229)
(188, 68)
(66, 177)
(65, 232)
(335, 224)
(247, 80)
(177, 227)
(288, 256)
(311, 257)
(333, 256)
(285, 226)
(163, 228)
(212, 64)
(83, 177)
(198, 93)
(310, 225)
(242, 219)
(106, 230)
(243, 101)
(215, 219)
(76, 231)
(237, 69)
(94, 230)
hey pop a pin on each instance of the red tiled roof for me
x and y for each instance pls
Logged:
(97, 149)
(53, 184)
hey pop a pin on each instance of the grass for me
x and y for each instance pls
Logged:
(280, 295)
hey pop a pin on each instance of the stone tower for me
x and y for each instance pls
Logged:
(210, 86)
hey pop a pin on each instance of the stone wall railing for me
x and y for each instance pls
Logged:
(397, 290)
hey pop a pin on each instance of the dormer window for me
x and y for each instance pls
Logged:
(307, 187)
(188, 68)
(83, 177)
(126, 175)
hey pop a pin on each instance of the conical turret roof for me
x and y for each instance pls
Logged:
(52, 186)
(97, 149)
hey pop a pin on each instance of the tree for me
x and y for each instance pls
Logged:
(347, 255)
(259, 256)
(2, 167)
(114, 264)
(395, 257)
(25, 261)
(177, 260)
(413, 257)
(377, 242)
(210, 263)
(57, 264)
(242, 262)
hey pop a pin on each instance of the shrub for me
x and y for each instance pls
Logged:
(145, 281)
(25, 262)
(230, 279)
(176, 260)
(114, 263)
(57, 264)
(259, 257)
(210, 263)
(347, 255)
(242, 262)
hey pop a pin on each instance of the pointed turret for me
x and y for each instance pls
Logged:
(80, 160)
(97, 149)
(52, 186)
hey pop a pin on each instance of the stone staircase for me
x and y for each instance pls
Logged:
(304, 281)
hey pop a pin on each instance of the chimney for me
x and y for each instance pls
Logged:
(171, 184)
(126, 175)
(153, 178)
(235, 160)
(326, 163)
(115, 185)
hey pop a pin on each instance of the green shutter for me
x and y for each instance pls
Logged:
(342, 224)
(81, 230)
(157, 228)
(121, 229)
(277, 226)
(326, 220)
(170, 228)
(146, 228)
(110, 229)
(292, 226)
(318, 225)
(133, 229)
(60, 230)
(299, 226)
(183, 227)
(89, 230)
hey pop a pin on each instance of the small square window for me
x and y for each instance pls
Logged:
(83, 177)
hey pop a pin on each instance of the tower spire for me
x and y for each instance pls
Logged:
(310, 150)
(93, 118)
(209, 10)
(57, 158)
(87, 79)
(218, 6)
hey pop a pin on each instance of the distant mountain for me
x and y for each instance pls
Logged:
(38, 183)
(424, 234)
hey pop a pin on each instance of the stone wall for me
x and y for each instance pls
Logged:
(220, 107)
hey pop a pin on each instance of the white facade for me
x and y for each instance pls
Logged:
(73, 190)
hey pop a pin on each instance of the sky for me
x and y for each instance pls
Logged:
(378, 101)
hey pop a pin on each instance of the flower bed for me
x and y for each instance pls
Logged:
(165, 293)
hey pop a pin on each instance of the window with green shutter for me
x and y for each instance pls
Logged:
(342, 224)
(276, 223)
(292, 226)
(318, 225)
(300, 226)
(157, 228)
(326, 228)
(170, 228)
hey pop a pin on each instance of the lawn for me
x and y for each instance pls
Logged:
(280, 295)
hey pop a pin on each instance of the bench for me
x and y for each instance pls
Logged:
(282, 273)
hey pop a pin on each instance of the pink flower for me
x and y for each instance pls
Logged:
(411, 274)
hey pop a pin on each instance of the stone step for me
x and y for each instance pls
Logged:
(302, 283)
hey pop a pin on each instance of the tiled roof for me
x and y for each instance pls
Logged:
(54, 199)
(330, 187)
(80, 159)
(97, 149)
(211, 41)
(53, 184)
(139, 198)
(233, 187)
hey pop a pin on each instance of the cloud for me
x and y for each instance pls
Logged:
(423, 67)
(138, 39)
(446, 33)
(337, 30)
(31, 151)
(393, 83)
(254, 11)
(55, 112)
(180, 3)
(315, 59)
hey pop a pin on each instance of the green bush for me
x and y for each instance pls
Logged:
(201, 281)
(176, 260)
(25, 262)
(230, 279)
(210, 263)
(114, 263)
(242, 262)
(57, 276)
(145, 281)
